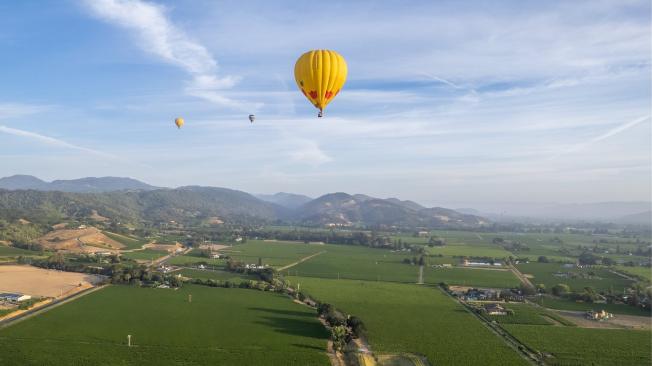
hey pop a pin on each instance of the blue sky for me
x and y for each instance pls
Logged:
(447, 103)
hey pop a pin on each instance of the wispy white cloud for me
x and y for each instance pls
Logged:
(159, 36)
(309, 152)
(13, 110)
(52, 141)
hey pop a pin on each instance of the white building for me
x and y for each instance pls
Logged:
(14, 297)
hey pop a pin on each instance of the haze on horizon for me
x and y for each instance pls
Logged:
(478, 104)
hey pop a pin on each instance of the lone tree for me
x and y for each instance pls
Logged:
(560, 289)
(338, 336)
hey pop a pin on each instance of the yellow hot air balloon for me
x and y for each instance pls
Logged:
(179, 122)
(320, 74)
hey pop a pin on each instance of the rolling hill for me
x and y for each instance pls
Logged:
(345, 209)
(128, 200)
(81, 185)
(288, 200)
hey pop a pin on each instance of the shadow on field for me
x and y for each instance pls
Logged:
(284, 312)
(297, 327)
(309, 347)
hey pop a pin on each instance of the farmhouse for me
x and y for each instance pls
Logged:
(14, 297)
(475, 294)
(468, 263)
(495, 309)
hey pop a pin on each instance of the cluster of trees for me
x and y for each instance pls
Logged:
(141, 276)
(414, 261)
(344, 327)
(436, 242)
(116, 272)
(21, 234)
(256, 285)
(369, 239)
(510, 245)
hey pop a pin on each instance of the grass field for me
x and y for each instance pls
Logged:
(219, 327)
(273, 253)
(6, 251)
(214, 275)
(415, 319)
(362, 263)
(598, 278)
(529, 314)
(644, 273)
(470, 251)
(194, 258)
(583, 346)
(565, 304)
(145, 255)
(129, 242)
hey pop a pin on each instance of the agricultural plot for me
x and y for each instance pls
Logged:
(583, 346)
(219, 327)
(355, 262)
(206, 274)
(644, 273)
(402, 318)
(129, 242)
(193, 259)
(7, 251)
(43, 282)
(470, 251)
(529, 314)
(362, 263)
(454, 237)
(272, 253)
(145, 255)
(567, 304)
(551, 274)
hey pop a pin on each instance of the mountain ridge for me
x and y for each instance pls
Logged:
(197, 204)
(79, 185)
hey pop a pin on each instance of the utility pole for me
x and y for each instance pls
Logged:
(420, 280)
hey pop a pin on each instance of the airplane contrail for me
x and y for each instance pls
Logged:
(614, 131)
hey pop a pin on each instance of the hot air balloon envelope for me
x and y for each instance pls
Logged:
(179, 122)
(320, 75)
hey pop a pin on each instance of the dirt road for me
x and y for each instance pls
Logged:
(300, 261)
(521, 276)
